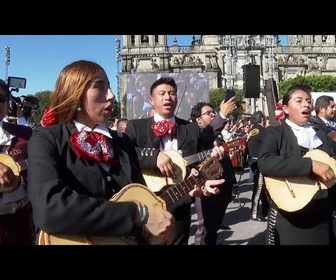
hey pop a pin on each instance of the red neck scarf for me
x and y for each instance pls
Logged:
(165, 127)
(93, 146)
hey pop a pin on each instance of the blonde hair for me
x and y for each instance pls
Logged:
(73, 81)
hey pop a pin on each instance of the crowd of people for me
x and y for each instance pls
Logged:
(87, 178)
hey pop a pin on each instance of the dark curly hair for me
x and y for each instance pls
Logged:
(257, 117)
(196, 110)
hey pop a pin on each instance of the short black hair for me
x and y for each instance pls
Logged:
(196, 110)
(257, 117)
(292, 89)
(165, 80)
(322, 101)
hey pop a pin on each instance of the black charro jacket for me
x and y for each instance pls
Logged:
(190, 138)
(281, 156)
(70, 195)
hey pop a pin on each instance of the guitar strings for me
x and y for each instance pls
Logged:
(174, 193)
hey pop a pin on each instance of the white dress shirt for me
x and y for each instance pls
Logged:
(306, 135)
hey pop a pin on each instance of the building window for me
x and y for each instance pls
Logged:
(144, 39)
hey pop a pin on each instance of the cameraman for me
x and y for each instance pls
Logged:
(19, 117)
(16, 224)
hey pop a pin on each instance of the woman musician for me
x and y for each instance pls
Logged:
(281, 155)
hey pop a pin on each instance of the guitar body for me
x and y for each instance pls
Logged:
(332, 135)
(237, 151)
(156, 181)
(294, 193)
(16, 167)
(209, 169)
(128, 193)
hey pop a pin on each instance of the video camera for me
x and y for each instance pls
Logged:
(26, 102)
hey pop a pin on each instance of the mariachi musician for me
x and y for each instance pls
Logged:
(324, 115)
(298, 215)
(238, 148)
(16, 223)
(259, 211)
(211, 210)
(150, 141)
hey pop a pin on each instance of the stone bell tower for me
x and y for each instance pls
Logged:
(141, 54)
(145, 53)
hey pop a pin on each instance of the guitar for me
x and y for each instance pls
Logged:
(294, 193)
(156, 181)
(209, 169)
(332, 135)
(16, 167)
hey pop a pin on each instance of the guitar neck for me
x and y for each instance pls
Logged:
(174, 193)
(206, 154)
(198, 157)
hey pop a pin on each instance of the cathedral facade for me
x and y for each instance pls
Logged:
(220, 58)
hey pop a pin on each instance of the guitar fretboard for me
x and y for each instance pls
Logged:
(236, 143)
(198, 157)
(175, 193)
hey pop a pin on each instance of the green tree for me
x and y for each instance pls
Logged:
(116, 109)
(44, 97)
(318, 83)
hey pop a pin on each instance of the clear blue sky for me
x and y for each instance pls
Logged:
(40, 58)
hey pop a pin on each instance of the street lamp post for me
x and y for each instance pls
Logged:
(118, 60)
(248, 44)
(270, 43)
(7, 61)
(229, 44)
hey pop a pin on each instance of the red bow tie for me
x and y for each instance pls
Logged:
(93, 146)
(165, 127)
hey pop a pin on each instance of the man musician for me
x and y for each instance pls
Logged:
(16, 224)
(150, 142)
(324, 117)
(259, 211)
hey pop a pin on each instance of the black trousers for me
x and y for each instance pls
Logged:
(211, 211)
(18, 228)
(182, 216)
(259, 195)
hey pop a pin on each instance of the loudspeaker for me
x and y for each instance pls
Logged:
(251, 81)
